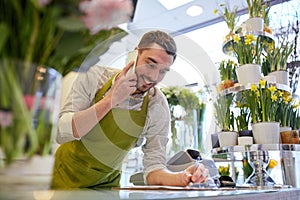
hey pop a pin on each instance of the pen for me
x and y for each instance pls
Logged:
(198, 160)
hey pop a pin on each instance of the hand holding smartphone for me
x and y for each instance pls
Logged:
(132, 56)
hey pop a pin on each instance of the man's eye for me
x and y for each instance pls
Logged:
(163, 72)
(151, 65)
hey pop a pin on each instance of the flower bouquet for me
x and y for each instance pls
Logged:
(37, 37)
(59, 34)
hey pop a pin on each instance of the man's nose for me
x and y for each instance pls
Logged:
(153, 76)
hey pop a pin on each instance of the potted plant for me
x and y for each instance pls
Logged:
(255, 8)
(255, 23)
(286, 110)
(263, 102)
(230, 18)
(185, 106)
(276, 60)
(227, 69)
(248, 51)
(265, 15)
(243, 119)
(225, 120)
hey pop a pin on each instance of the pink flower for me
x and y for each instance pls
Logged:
(43, 3)
(105, 14)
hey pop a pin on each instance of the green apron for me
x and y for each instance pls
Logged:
(96, 159)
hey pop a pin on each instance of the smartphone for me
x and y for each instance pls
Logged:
(132, 56)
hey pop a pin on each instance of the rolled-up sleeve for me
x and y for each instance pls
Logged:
(156, 134)
(65, 132)
(80, 97)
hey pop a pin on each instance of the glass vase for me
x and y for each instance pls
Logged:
(29, 107)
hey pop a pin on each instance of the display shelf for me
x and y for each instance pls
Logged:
(238, 87)
(256, 147)
(227, 44)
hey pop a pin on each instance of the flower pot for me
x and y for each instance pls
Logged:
(248, 74)
(270, 78)
(290, 137)
(283, 129)
(254, 25)
(266, 132)
(245, 140)
(227, 138)
(282, 77)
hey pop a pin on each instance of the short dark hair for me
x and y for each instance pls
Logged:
(161, 38)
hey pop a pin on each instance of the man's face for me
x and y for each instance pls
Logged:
(152, 65)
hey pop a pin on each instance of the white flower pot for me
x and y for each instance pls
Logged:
(249, 73)
(227, 138)
(254, 25)
(266, 132)
(270, 78)
(282, 77)
(246, 140)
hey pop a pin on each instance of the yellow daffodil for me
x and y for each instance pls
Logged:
(274, 97)
(257, 93)
(272, 89)
(236, 38)
(250, 37)
(253, 88)
(285, 99)
(248, 42)
(297, 104)
(262, 82)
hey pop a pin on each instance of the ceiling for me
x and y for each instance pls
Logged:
(193, 63)
(152, 14)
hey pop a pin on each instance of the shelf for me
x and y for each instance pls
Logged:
(227, 45)
(238, 87)
(256, 147)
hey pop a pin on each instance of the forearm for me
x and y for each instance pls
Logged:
(83, 121)
(166, 177)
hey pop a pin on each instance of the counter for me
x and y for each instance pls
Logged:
(36, 188)
(34, 183)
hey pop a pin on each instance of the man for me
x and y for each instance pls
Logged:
(108, 111)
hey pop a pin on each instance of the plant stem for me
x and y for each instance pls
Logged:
(32, 40)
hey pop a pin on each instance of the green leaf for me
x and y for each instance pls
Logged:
(4, 30)
(71, 23)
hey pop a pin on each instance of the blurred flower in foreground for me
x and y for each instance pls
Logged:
(105, 14)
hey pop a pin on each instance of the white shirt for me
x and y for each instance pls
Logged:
(156, 129)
